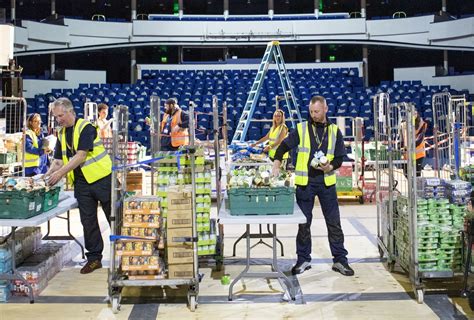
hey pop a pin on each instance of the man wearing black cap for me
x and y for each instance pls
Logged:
(174, 127)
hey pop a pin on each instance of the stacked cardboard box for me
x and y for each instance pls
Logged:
(179, 232)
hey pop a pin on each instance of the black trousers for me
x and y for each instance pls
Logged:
(88, 196)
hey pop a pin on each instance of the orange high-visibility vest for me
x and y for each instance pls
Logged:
(179, 138)
(420, 149)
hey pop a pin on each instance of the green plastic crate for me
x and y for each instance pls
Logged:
(51, 199)
(21, 204)
(7, 158)
(261, 201)
(344, 184)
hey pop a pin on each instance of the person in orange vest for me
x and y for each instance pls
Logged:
(174, 127)
(420, 131)
(420, 153)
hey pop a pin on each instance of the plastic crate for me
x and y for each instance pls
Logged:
(344, 184)
(261, 201)
(51, 199)
(21, 204)
(7, 158)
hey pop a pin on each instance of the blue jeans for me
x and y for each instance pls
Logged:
(330, 208)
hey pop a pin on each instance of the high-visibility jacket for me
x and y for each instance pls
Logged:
(304, 149)
(32, 160)
(273, 137)
(420, 148)
(97, 164)
(180, 137)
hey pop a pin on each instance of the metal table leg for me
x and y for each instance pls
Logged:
(69, 236)
(276, 273)
(260, 236)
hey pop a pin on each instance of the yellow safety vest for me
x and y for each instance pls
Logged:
(304, 148)
(273, 137)
(97, 164)
(32, 160)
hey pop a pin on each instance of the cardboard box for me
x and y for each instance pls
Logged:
(181, 271)
(179, 219)
(174, 237)
(180, 255)
(180, 198)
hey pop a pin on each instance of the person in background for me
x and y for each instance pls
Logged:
(105, 131)
(420, 153)
(275, 136)
(420, 132)
(317, 178)
(36, 147)
(81, 156)
(174, 127)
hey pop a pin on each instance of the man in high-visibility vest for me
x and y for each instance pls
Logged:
(81, 156)
(317, 178)
(174, 127)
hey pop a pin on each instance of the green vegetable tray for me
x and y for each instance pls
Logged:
(261, 201)
(21, 204)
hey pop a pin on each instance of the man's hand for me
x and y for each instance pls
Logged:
(267, 148)
(276, 168)
(54, 178)
(326, 168)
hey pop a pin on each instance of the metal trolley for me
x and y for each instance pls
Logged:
(396, 193)
(116, 279)
(352, 131)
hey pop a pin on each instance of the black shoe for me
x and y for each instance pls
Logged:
(300, 267)
(343, 268)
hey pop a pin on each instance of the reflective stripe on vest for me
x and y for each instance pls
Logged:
(330, 177)
(302, 159)
(272, 138)
(97, 164)
(32, 160)
(178, 138)
(304, 148)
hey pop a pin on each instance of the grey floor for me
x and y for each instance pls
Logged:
(373, 293)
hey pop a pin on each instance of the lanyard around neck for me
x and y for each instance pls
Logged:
(319, 141)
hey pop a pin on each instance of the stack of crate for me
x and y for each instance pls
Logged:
(179, 232)
(344, 177)
(141, 258)
(174, 171)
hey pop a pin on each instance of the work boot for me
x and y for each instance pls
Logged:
(343, 268)
(301, 267)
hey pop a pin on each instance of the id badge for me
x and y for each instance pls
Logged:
(165, 131)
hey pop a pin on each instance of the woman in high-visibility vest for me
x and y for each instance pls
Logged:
(275, 136)
(36, 155)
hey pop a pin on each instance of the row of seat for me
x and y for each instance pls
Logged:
(343, 89)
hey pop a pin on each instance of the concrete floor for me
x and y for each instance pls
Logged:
(373, 293)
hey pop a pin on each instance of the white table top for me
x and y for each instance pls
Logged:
(66, 202)
(296, 218)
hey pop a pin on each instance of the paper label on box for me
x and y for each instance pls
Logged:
(31, 206)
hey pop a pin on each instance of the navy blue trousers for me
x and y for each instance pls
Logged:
(328, 199)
